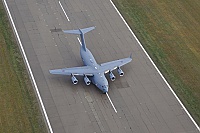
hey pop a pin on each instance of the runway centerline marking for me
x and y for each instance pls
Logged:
(111, 102)
(64, 11)
(79, 41)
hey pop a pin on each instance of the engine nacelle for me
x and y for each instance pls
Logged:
(121, 73)
(87, 80)
(74, 80)
(112, 76)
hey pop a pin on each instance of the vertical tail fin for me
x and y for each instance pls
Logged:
(80, 32)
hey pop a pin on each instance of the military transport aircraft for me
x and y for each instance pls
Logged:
(92, 72)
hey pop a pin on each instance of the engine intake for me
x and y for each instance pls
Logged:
(112, 76)
(87, 80)
(120, 72)
(74, 80)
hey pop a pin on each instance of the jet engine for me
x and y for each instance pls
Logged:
(87, 80)
(112, 76)
(119, 70)
(74, 80)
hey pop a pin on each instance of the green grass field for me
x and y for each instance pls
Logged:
(19, 109)
(170, 32)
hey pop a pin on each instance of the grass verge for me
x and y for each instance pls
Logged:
(19, 108)
(170, 32)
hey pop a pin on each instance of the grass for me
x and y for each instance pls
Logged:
(19, 108)
(170, 32)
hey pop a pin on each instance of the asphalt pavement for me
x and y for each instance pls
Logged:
(144, 102)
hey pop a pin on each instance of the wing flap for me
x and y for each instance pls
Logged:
(112, 65)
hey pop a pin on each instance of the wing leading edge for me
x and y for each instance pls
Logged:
(84, 70)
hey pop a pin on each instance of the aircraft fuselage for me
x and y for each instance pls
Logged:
(98, 78)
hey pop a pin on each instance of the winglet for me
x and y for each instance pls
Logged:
(130, 55)
(50, 71)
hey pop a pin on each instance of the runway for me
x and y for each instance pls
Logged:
(144, 102)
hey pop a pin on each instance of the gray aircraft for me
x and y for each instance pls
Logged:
(92, 72)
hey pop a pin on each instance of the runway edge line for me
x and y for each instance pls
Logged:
(156, 67)
(28, 66)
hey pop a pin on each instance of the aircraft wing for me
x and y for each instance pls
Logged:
(112, 65)
(84, 70)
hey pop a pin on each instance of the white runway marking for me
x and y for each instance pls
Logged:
(28, 66)
(156, 67)
(111, 103)
(79, 41)
(64, 11)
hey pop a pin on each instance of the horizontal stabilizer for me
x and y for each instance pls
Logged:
(79, 31)
(87, 29)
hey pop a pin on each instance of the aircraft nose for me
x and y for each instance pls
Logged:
(105, 89)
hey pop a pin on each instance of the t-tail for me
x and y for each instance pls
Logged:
(80, 32)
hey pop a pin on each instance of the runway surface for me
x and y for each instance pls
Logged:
(143, 101)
